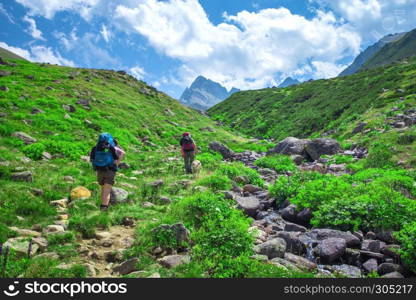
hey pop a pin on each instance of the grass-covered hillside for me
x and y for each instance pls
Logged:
(51, 117)
(334, 107)
(6, 54)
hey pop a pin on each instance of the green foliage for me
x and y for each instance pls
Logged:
(34, 151)
(279, 163)
(216, 182)
(87, 225)
(380, 156)
(407, 239)
(209, 160)
(233, 170)
(5, 233)
(60, 238)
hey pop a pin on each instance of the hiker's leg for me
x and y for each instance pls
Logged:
(188, 163)
(105, 194)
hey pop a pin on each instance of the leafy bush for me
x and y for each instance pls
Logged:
(406, 139)
(216, 182)
(233, 170)
(279, 163)
(407, 239)
(209, 160)
(60, 238)
(34, 151)
(379, 156)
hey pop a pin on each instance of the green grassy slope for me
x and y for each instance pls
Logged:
(6, 54)
(35, 99)
(393, 52)
(335, 106)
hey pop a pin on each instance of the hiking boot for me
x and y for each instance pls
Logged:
(103, 207)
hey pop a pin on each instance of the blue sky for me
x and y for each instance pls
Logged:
(247, 44)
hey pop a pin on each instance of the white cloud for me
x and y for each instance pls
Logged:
(375, 18)
(106, 34)
(326, 69)
(33, 30)
(39, 54)
(248, 49)
(48, 8)
(4, 12)
(137, 72)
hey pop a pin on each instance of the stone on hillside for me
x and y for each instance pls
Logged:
(272, 248)
(294, 227)
(127, 221)
(391, 251)
(62, 203)
(4, 73)
(22, 176)
(4, 88)
(208, 129)
(392, 275)
(370, 236)
(290, 146)
(386, 268)
(179, 231)
(372, 245)
(370, 265)
(69, 108)
(172, 261)
(154, 275)
(251, 188)
(293, 242)
(25, 232)
(36, 111)
(164, 200)
(124, 166)
(147, 204)
(46, 155)
(323, 146)
(80, 193)
(289, 213)
(250, 205)
(69, 179)
(118, 195)
(102, 235)
(27, 139)
(51, 229)
(284, 264)
(304, 216)
(20, 246)
(156, 184)
(301, 262)
(385, 236)
(222, 149)
(332, 249)
(347, 270)
(359, 128)
(323, 234)
(297, 159)
(242, 179)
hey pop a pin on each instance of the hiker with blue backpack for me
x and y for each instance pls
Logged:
(105, 157)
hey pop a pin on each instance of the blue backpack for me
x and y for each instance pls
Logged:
(103, 156)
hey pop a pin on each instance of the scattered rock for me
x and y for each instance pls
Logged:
(147, 204)
(386, 268)
(25, 232)
(370, 265)
(80, 193)
(102, 235)
(179, 231)
(359, 128)
(347, 270)
(222, 149)
(50, 229)
(392, 275)
(391, 251)
(22, 176)
(4, 73)
(4, 88)
(371, 245)
(289, 213)
(250, 205)
(126, 267)
(172, 261)
(251, 188)
(156, 184)
(127, 221)
(332, 249)
(301, 262)
(297, 159)
(27, 139)
(20, 246)
(323, 234)
(272, 248)
(294, 227)
(48, 255)
(323, 146)
(118, 195)
(62, 203)
(69, 108)
(46, 156)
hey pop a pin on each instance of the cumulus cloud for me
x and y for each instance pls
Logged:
(375, 18)
(4, 12)
(48, 8)
(33, 30)
(137, 72)
(39, 54)
(248, 49)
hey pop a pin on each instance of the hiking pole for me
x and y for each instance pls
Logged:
(29, 250)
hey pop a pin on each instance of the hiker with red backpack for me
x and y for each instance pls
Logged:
(105, 158)
(188, 149)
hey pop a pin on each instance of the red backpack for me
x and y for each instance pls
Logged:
(187, 144)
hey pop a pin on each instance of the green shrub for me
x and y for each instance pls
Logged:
(407, 239)
(233, 170)
(87, 225)
(379, 156)
(34, 151)
(209, 160)
(279, 163)
(60, 238)
(406, 138)
(216, 182)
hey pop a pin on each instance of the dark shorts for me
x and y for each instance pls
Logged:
(106, 177)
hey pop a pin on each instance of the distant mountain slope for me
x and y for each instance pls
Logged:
(289, 81)
(6, 54)
(205, 93)
(369, 53)
(394, 51)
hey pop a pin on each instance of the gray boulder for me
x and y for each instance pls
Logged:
(386, 268)
(222, 149)
(372, 245)
(272, 248)
(118, 195)
(172, 261)
(347, 270)
(290, 146)
(20, 246)
(289, 213)
(250, 205)
(370, 265)
(27, 139)
(179, 231)
(126, 267)
(323, 146)
(332, 249)
(301, 262)
(392, 275)
(293, 243)
(323, 234)
(22, 176)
